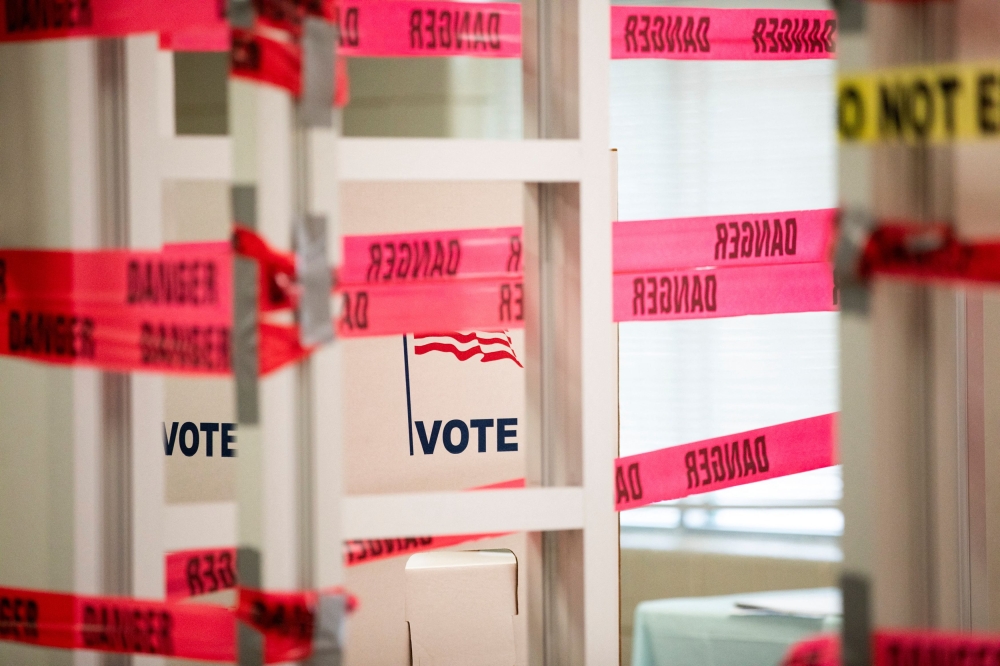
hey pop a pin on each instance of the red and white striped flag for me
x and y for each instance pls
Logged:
(491, 345)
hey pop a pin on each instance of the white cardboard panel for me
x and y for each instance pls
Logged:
(442, 388)
(376, 424)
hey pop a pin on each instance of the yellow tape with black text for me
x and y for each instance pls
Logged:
(931, 103)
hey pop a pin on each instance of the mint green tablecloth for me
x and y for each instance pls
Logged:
(713, 631)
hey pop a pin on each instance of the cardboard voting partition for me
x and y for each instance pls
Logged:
(430, 411)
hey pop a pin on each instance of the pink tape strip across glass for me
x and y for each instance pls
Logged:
(407, 28)
(723, 266)
(789, 237)
(723, 462)
(724, 292)
(696, 33)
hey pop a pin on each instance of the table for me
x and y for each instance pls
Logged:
(714, 631)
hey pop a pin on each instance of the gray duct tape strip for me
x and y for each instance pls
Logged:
(856, 632)
(240, 13)
(315, 316)
(248, 567)
(319, 39)
(853, 231)
(249, 641)
(329, 630)
(244, 198)
(244, 339)
(250, 644)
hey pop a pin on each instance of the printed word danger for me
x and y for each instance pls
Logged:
(402, 260)
(784, 35)
(18, 617)
(726, 291)
(359, 551)
(128, 628)
(189, 439)
(706, 466)
(512, 302)
(354, 313)
(286, 615)
(210, 571)
(181, 346)
(414, 260)
(762, 238)
(349, 34)
(455, 436)
(790, 237)
(677, 294)
(445, 28)
(631, 491)
(34, 15)
(172, 282)
(61, 336)
(469, 30)
(683, 34)
(244, 53)
(48, 19)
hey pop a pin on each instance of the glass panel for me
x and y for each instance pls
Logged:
(715, 138)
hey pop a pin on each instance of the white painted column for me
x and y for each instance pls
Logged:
(145, 203)
(279, 390)
(327, 383)
(598, 358)
(85, 233)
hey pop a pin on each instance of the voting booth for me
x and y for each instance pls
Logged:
(247, 457)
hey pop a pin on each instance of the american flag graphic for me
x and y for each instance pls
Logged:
(491, 345)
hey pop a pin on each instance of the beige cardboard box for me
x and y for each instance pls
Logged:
(460, 607)
(378, 633)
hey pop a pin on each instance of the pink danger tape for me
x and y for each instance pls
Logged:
(465, 279)
(690, 33)
(724, 292)
(407, 28)
(429, 256)
(489, 304)
(797, 236)
(190, 573)
(723, 462)
(28, 19)
(198, 38)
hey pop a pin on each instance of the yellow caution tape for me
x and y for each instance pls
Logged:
(936, 104)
